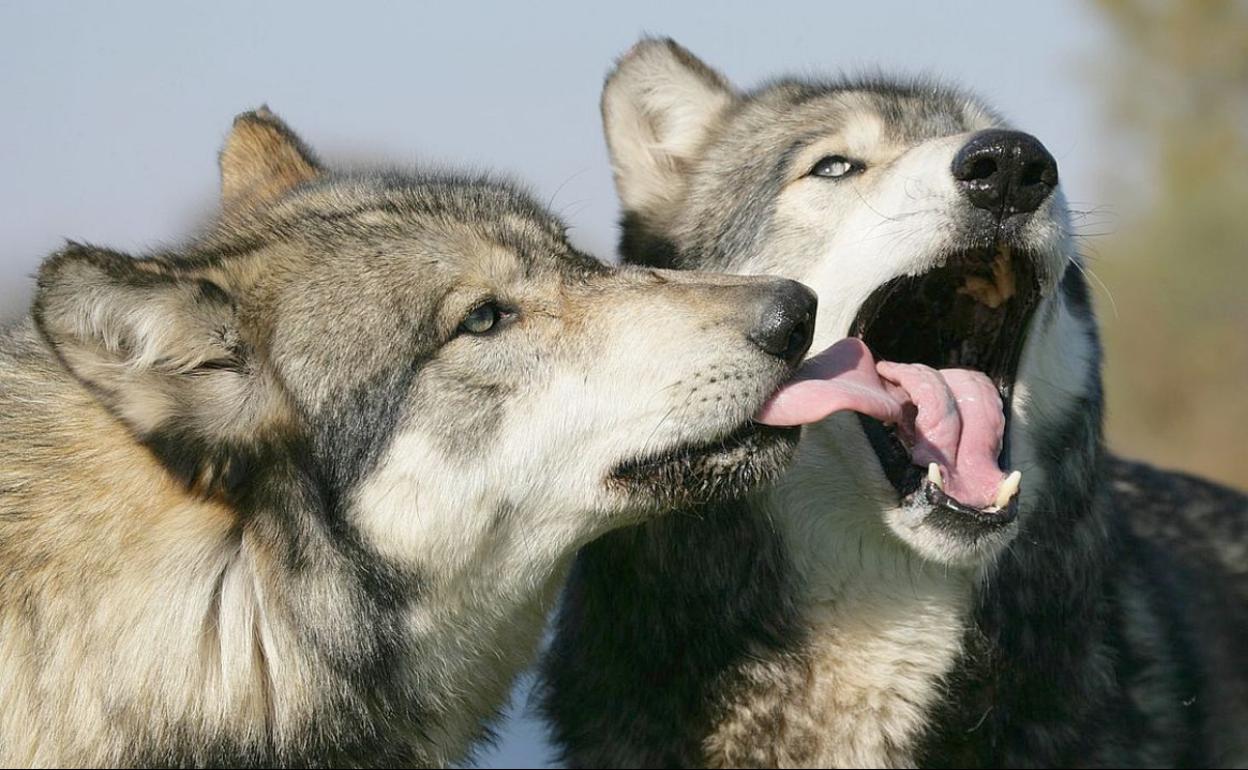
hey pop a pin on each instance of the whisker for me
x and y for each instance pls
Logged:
(1087, 273)
(550, 203)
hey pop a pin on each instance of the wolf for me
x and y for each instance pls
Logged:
(954, 572)
(300, 491)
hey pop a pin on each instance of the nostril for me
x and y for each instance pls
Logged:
(799, 340)
(1033, 173)
(982, 168)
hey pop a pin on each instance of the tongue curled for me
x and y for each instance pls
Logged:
(951, 419)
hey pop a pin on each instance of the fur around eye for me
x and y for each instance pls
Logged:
(836, 167)
(485, 318)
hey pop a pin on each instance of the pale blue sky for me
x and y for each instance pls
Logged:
(112, 113)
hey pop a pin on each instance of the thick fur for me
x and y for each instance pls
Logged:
(820, 623)
(265, 501)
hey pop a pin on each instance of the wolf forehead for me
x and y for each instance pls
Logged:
(784, 114)
(450, 221)
(382, 256)
(353, 271)
(700, 164)
(777, 125)
(908, 110)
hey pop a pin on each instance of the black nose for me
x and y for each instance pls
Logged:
(1005, 172)
(787, 322)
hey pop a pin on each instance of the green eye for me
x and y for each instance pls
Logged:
(485, 318)
(836, 166)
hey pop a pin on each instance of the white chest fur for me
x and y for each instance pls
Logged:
(858, 694)
(883, 627)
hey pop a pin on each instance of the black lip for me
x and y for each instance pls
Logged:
(924, 319)
(707, 471)
(959, 515)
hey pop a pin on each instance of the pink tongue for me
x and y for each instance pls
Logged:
(951, 417)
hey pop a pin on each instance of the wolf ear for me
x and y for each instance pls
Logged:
(658, 106)
(141, 337)
(262, 160)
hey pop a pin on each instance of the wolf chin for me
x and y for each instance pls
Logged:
(854, 614)
(300, 492)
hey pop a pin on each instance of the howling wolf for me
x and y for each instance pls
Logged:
(954, 572)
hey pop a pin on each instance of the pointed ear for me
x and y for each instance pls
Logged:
(261, 161)
(140, 336)
(658, 106)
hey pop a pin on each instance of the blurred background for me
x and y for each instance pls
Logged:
(111, 116)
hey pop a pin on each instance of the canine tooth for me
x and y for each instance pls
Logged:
(933, 475)
(1008, 489)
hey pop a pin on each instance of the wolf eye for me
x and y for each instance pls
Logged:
(484, 318)
(836, 166)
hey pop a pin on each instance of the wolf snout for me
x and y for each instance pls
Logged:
(1005, 172)
(786, 321)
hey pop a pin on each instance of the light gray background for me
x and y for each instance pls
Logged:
(111, 115)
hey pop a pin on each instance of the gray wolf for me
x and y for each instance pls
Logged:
(901, 597)
(300, 491)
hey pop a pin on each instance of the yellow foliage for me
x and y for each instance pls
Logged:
(1177, 265)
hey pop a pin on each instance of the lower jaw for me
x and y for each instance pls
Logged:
(698, 477)
(907, 487)
(946, 507)
(909, 480)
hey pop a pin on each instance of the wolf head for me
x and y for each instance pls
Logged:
(450, 376)
(931, 231)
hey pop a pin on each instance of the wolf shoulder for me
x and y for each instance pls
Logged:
(1188, 516)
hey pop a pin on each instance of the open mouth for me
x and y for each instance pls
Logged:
(707, 471)
(970, 314)
(930, 368)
